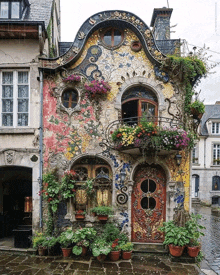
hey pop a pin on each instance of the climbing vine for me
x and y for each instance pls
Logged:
(189, 70)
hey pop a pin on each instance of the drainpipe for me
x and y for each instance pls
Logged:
(41, 145)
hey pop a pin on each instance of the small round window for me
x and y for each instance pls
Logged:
(112, 37)
(70, 98)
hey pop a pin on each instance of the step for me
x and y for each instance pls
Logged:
(30, 251)
(157, 248)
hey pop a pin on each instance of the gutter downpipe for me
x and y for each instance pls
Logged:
(41, 145)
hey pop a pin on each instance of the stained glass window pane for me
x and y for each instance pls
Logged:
(7, 119)
(22, 119)
(4, 9)
(7, 91)
(22, 91)
(22, 77)
(15, 6)
(7, 78)
(22, 105)
(139, 92)
(7, 106)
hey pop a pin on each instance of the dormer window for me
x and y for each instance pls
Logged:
(215, 127)
(10, 9)
(112, 38)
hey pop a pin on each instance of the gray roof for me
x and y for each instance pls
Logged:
(211, 112)
(37, 11)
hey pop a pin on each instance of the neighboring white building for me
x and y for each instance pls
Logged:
(206, 158)
(29, 29)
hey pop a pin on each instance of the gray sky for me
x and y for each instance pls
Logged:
(197, 22)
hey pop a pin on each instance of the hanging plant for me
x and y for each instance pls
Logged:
(189, 70)
(51, 189)
(89, 188)
(96, 87)
(72, 78)
(67, 189)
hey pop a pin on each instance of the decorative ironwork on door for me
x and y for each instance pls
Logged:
(148, 204)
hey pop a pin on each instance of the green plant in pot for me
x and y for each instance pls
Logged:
(83, 237)
(51, 243)
(115, 250)
(195, 232)
(126, 249)
(176, 237)
(102, 212)
(197, 109)
(100, 248)
(39, 241)
(65, 240)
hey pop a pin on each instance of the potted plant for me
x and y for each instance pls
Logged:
(115, 250)
(82, 237)
(100, 248)
(65, 240)
(80, 214)
(102, 212)
(97, 87)
(197, 109)
(39, 241)
(126, 249)
(51, 243)
(176, 237)
(194, 229)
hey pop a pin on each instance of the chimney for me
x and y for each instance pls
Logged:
(161, 23)
(217, 103)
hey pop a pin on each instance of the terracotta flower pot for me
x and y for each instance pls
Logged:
(66, 252)
(103, 218)
(101, 257)
(79, 216)
(84, 250)
(42, 251)
(193, 251)
(115, 255)
(126, 255)
(176, 251)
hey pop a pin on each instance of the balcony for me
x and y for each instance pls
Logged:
(147, 135)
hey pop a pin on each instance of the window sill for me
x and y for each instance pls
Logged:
(7, 131)
(195, 164)
(215, 165)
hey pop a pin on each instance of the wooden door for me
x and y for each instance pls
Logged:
(148, 208)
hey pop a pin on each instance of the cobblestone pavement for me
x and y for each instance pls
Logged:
(211, 240)
(148, 264)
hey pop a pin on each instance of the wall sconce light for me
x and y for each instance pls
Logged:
(122, 175)
(178, 159)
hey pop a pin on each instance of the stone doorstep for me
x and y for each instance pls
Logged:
(30, 251)
(156, 248)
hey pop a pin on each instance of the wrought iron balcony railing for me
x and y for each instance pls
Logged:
(164, 122)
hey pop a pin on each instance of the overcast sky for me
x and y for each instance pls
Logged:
(198, 22)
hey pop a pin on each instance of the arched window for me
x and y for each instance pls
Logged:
(216, 183)
(98, 170)
(137, 102)
(70, 98)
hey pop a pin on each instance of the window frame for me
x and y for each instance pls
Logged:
(69, 89)
(214, 126)
(217, 153)
(10, 3)
(112, 30)
(15, 98)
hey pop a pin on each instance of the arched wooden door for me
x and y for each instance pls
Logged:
(148, 210)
